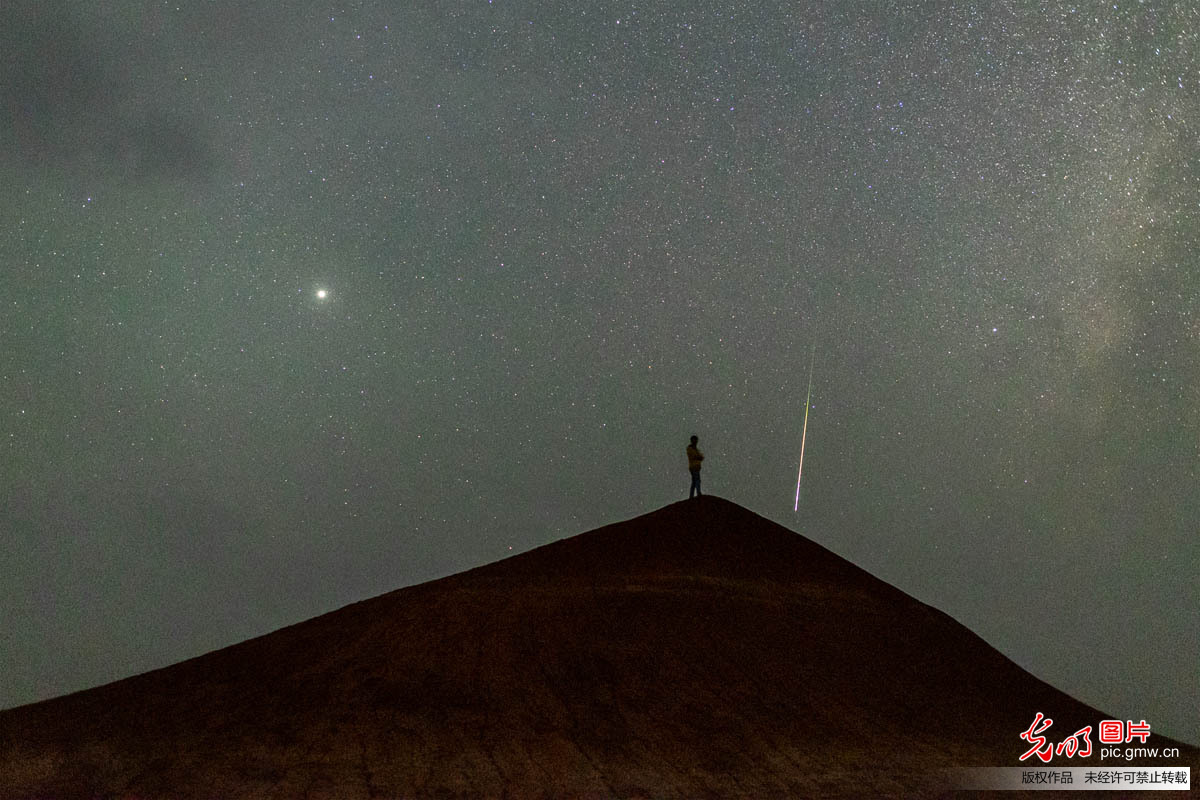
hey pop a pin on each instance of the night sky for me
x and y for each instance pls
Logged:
(304, 303)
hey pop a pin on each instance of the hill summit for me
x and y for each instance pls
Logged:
(699, 650)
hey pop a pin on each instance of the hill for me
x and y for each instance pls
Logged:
(696, 651)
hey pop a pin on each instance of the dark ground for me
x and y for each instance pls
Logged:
(697, 651)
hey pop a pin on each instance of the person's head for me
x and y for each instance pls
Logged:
(694, 440)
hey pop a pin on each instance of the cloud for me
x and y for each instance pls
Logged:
(82, 93)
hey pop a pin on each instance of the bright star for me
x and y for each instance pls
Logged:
(322, 294)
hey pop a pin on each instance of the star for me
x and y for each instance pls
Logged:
(458, 214)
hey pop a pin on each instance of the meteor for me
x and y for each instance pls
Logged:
(804, 435)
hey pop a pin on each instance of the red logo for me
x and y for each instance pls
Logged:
(1113, 731)
(1078, 743)
(1042, 750)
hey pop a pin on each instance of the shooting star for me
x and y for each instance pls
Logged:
(804, 435)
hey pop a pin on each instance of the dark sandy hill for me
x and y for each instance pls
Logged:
(697, 651)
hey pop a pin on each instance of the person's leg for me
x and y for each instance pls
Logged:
(695, 490)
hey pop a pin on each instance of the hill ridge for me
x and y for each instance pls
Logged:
(696, 650)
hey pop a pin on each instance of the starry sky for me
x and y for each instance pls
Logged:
(306, 302)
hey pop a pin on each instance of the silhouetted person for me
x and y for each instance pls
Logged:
(694, 458)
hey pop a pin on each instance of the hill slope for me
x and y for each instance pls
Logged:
(699, 650)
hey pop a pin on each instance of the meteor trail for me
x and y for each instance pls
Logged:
(804, 435)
